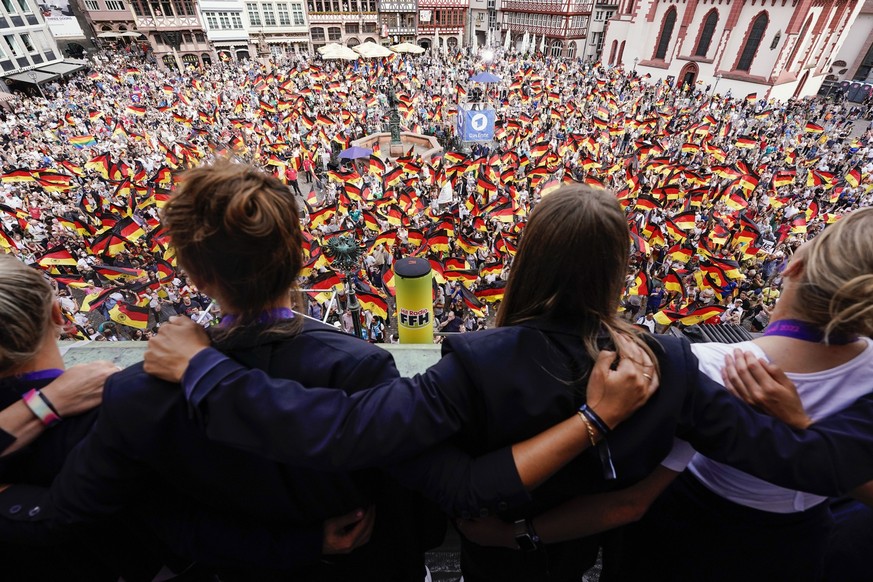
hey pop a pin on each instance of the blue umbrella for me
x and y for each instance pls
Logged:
(355, 152)
(485, 77)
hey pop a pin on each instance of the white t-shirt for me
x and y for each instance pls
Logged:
(822, 394)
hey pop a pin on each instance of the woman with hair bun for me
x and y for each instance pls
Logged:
(500, 386)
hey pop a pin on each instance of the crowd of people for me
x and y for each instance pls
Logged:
(718, 190)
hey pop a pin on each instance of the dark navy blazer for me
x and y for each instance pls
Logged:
(500, 386)
(144, 448)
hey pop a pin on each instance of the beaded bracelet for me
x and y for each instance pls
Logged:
(41, 407)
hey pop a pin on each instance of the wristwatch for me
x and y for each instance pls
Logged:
(525, 536)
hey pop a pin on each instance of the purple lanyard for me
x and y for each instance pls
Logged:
(805, 331)
(36, 375)
(268, 316)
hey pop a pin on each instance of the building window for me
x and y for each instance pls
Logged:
(706, 34)
(28, 44)
(284, 17)
(334, 33)
(254, 15)
(199, 37)
(866, 66)
(666, 34)
(25, 7)
(185, 7)
(269, 16)
(114, 5)
(236, 20)
(756, 33)
(297, 14)
(211, 21)
(13, 45)
(224, 20)
(369, 27)
(353, 28)
(317, 34)
(9, 6)
(92, 5)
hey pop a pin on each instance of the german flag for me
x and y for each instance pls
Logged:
(811, 127)
(690, 148)
(640, 286)
(751, 97)
(415, 237)
(680, 254)
(735, 201)
(166, 272)
(490, 295)
(387, 238)
(6, 241)
(675, 232)
(388, 279)
(668, 192)
(116, 273)
(83, 141)
(455, 263)
(370, 221)
(502, 245)
(372, 302)
(798, 225)
(100, 164)
(748, 182)
(393, 177)
(745, 237)
(464, 275)
(130, 315)
(746, 142)
(702, 315)
(473, 302)
(469, 245)
(666, 317)
(57, 256)
(376, 167)
(319, 217)
(129, 230)
(18, 175)
(95, 299)
(853, 178)
(673, 283)
(138, 110)
(784, 178)
(716, 152)
(483, 185)
(646, 203)
(439, 241)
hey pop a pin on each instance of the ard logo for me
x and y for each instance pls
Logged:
(414, 318)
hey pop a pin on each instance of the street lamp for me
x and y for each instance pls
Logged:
(636, 60)
(32, 76)
(345, 254)
(717, 79)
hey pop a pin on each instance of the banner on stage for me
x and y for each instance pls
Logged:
(476, 124)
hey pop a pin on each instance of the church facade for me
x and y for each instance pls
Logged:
(772, 48)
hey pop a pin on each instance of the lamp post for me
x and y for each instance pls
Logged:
(32, 76)
(636, 60)
(717, 79)
(345, 253)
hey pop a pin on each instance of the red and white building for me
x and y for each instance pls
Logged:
(443, 22)
(564, 23)
(775, 48)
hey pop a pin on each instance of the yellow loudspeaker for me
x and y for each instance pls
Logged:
(412, 281)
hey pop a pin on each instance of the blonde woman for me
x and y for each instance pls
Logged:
(41, 417)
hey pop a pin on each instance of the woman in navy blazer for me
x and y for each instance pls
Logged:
(497, 387)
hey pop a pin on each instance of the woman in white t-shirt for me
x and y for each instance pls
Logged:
(716, 523)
